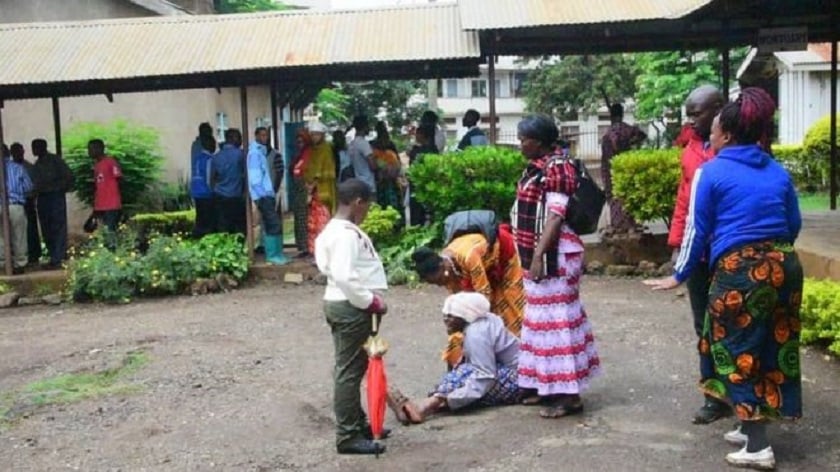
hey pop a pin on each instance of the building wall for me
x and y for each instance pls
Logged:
(804, 97)
(174, 114)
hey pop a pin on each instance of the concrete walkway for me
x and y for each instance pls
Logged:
(819, 244)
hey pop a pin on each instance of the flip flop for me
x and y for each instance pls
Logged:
(405, 411)
(559, 411)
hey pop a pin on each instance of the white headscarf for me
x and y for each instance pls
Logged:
(469, 306)
(317, 127)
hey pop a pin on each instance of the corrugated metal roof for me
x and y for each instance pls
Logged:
(42, 53)
(504, 14)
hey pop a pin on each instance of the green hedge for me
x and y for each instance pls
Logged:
(480, 177)
(820, 313)
(136, 148)
(646, 181)
(175, 222)
(817, 154)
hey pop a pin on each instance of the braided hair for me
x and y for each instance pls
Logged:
(750, 117)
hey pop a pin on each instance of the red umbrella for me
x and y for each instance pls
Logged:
(377, 382)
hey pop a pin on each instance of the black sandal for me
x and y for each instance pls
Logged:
(561, 410)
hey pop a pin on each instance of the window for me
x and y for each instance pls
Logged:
(518, 83)
(439, 88)
(452, 88)
(499, 93)
(479, 88)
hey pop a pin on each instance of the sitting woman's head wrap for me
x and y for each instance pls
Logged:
(469, 306)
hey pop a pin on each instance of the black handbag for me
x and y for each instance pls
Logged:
(587, 203)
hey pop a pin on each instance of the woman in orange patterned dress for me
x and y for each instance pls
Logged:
(470, 264)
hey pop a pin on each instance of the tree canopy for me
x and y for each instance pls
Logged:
(248, 6)
(562, 87)
(339, 104)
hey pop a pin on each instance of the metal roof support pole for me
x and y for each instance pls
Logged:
(833, 120)
(7, 229)
(56, 112)
(491, 86)
(725, 70)
(249, 217)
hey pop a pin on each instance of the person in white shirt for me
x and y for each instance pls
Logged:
(355, 282)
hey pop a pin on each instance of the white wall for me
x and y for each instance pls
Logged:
(804, 97)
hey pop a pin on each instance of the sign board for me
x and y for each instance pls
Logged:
(782, 39)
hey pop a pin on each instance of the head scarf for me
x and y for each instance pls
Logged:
(317, 127)
(469, 306)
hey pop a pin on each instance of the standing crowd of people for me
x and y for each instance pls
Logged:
(518, 332)
(37, 196)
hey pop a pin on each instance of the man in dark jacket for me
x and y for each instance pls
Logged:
(53, 180)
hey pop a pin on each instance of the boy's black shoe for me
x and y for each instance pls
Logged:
(361, 446)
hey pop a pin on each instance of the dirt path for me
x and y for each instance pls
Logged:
(241, 382)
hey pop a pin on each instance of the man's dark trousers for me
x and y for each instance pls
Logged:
(350, 329)
(52, 211)
(33, 235)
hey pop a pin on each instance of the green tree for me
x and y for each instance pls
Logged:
(136, 148)
(248, 6)
(333, 106)
(394, 97)
(666, 78)
(562, 87)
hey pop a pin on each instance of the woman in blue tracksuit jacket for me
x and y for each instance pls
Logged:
(744, 214)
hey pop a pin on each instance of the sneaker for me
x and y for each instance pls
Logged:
(759, 460)
(736, 437)
(361, 446)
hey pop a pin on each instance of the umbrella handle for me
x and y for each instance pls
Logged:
(375, 320)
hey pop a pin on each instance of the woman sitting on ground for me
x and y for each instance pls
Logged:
(486, 373)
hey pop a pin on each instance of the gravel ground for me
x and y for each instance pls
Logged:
(241, 382)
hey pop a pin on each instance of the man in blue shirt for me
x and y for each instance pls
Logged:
(262, 193)
(228, 177)
(474, 135)
(18, 184)
(200, 187)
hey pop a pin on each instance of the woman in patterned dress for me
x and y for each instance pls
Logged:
(745, 215)
(557, 354)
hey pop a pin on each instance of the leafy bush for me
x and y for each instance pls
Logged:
(646, 182)
(817, 151)
(381, 225)
(136, 148)
(165, 197)
(820, 313)
(397, 257)
(480, 177)
(792, 157)
(163, 223)
(169, 265)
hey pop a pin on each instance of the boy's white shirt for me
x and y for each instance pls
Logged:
(346, 256)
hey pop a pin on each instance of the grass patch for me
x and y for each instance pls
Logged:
(5, 288)
(813, 201)
(69, 388)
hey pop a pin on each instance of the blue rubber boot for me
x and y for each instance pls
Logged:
(274, 250)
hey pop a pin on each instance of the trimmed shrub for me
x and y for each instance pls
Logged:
(646, 182)
(817, 149)
(792, 157)
(480, 177)
(820, 313)
(175, 222)
(382, 225)
(136, 148)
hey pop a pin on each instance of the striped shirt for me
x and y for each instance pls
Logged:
(18, 183)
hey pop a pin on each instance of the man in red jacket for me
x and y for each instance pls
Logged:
(701, 106)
